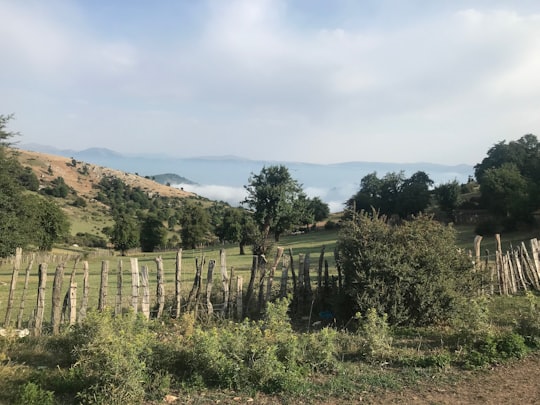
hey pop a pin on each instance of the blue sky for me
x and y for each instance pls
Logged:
(306, 80)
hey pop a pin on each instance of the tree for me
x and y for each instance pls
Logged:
(394, 194)
(319, 208)
(505, 192)
(237, 226)
(195, 223)
(447, 196)
(49, 221)
(271, 195)
(153, 233)
(125, 233)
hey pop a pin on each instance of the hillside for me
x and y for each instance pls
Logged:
(81, 176)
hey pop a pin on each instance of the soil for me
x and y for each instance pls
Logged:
(511, 383)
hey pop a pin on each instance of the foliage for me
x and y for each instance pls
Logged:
(318, 208)
(195, 224)
(121, 197)
(509, 178)
(448, 196)
(153, 233)
(125, 233)
(375, 334)
(58, 188)
(394, 194)
(272, 195)
(237, 225)
(413, 272)
(32, 394)
(112, 354)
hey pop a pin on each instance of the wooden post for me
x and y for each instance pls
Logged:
(239, 288)
(145, 305)
(320, 269)
(209, 285)
(509, 269)
(284, 277)
(13, 284)
(231, 293)
(249, 293)
(326, 279)
(307, 280)
(338, 267)
(40, 310)
(194, 293)
(72, 303)
(519, 270)
(178, 284)
(529, 267)
(25, 290)
(103, 287)
(86, 292)
(262, 267)
(56, 312)
(160, 293)
(224, 279)
(119, 285)
(477, 242)
(279, 253)
(291, 263)
(492, 270)
(535, 253)
(134, 283)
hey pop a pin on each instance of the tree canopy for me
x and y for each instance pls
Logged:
(272, 195)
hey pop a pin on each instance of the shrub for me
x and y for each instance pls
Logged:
(33, 394)
(413, 272)
(375, 334)
(111, 358)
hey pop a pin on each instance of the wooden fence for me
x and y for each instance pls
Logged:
(222, 295)
(141, 288)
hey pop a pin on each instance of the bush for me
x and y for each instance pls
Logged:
(111, 358)
(413, 272)
(33, 394)
(375, 334)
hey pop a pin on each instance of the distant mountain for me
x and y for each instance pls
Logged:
(171, 178)
(225, 176)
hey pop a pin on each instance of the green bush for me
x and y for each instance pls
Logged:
(375, 335)
(111, 358)
(33, 394)
(413, 272)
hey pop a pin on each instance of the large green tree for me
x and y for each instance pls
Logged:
(237, 226)
(125, 233)
(153, 233)
(271, 196)
(195, 223)
(448, 196)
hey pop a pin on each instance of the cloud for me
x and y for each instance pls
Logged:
(270, 79)
(231, 195)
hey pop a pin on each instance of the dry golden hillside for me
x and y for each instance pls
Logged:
(82, 176)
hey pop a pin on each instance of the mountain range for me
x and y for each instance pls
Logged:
(224, 177)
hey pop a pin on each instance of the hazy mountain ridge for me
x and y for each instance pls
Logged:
(225, 176)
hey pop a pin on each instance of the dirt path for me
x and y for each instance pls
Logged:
(515, 383)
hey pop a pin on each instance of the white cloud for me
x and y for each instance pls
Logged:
(231, 195)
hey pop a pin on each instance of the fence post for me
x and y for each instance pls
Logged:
(72, 303)
(103, 288)
(279, 253)
(209, 285)
(134, 283)
(284, 277)
(178, 283)
(145, 305)
(251, 285)
(160, 293)
(14, 276)
(86, 292)
(25, 290)
(320, 269)
(119, 285)
(40, 304)
(224, 279)
(56, 312)
(239, 305)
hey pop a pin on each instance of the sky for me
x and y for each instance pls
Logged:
(301, 80)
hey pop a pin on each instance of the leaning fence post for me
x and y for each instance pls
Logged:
(40, 311)
(72, 303)
(25, 290)
(270, 281)
(224, 279)
(14, 276)
(239, 288)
